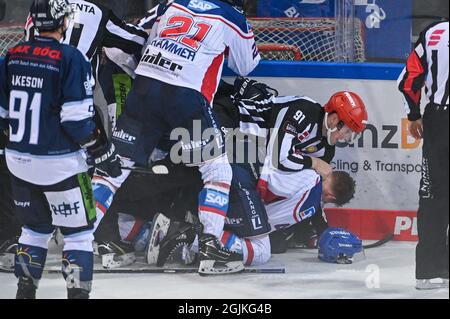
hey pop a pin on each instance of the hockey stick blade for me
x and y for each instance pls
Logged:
(381, 242)
(154, 170)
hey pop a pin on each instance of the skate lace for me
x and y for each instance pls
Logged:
(174, 249)
(222, 247)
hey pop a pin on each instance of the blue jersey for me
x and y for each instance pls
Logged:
(46, 98)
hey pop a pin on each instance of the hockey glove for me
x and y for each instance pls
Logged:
(3, 141)
(247, 89)
(280, 240)
(102, 155)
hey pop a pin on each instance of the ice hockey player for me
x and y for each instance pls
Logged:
(177, 78)
(46, 101)
(244, 232)
(92, 28)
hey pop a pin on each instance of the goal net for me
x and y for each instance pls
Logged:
(306, 39)
(9, 37)
(292, 39)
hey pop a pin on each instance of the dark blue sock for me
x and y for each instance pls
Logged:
(78, 267)
(30, 261)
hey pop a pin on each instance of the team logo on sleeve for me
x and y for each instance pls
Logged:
(303, 136)
(290, 129)
(88, 84)
(304, 214)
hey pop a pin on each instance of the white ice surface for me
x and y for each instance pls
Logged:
(386, 272)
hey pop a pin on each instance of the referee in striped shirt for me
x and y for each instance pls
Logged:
(95, 26)
(428, 65)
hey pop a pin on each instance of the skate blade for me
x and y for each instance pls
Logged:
(7, 261)
(112, 261)
(207, 268)
(160, 228)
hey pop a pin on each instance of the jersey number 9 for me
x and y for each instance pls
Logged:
(21, 99)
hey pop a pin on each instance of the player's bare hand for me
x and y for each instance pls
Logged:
(320, 166)
(416, 129)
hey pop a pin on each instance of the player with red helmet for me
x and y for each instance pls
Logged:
(351, 117)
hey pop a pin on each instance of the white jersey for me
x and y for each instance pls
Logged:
(293, 208)
(188, 43)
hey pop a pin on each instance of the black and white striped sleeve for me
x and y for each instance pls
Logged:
(254, 118)
(291, 158)
(152, 15)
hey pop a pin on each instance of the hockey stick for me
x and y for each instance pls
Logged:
(381, 242)
(154, 170)
(154, 270)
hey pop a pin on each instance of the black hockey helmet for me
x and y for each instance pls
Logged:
(49, 15)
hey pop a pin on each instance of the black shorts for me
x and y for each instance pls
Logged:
(69, 205)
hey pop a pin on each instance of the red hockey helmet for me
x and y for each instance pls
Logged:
(350, 108)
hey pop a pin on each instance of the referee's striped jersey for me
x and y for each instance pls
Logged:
(95, 26)
(427, 66)
(292, 126)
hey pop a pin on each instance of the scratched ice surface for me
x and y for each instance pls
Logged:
(386, 272)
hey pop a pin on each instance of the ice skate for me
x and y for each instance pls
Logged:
(217, 260)
(116, 254)
(77, 293)
(26, 289)
(171, 239)
(7, 252)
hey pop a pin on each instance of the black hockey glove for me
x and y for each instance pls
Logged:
(3, 141)
(280, 240)
(102, 155)
(247, 89)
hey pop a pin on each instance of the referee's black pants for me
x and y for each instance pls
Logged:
(432, 254)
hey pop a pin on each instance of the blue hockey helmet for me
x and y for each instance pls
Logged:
(48, 15)
(337, 245)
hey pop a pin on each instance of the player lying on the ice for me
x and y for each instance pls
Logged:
(243, 234)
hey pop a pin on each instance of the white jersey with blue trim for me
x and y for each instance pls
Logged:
(299, 205)
(188, 43)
